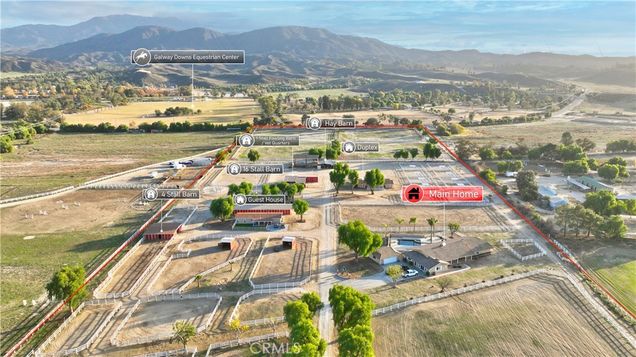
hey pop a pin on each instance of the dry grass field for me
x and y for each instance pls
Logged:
(59, 160)
(265, 306)
(547, 131)
(223, 110)
(376, 216)
(614, 264)
(531, 317)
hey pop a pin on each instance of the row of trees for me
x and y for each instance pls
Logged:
(341, 173)
(303, 334)
(176, 111)
(352, 317)
(174, 127)
(20, 130)
(330, 152)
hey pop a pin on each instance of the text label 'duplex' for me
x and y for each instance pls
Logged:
(452, 194)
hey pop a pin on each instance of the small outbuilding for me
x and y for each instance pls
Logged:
(289, 242)
(228, 243)
(388, 184)
(159, 230)
(385, 255)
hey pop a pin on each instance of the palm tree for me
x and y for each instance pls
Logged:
(412, 221)
(432, 222)
(198, 278)
(183, 331)
(399, 222)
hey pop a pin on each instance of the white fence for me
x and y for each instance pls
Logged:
(37, 195)
(265, 321)
(180, 352)
(111, 273)
(61, 328)
(523, 258)
(257, 292)
(113, 337)
(459, 291)
(244, 341)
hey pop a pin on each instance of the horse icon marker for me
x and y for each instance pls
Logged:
(141, 57)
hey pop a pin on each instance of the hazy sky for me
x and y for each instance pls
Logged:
(577, 27)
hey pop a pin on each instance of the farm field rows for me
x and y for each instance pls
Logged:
(535, 316)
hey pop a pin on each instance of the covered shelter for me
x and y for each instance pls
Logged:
(289, 242)
(165, 230)
(228, 243)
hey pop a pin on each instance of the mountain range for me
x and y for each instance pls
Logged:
(288, 52)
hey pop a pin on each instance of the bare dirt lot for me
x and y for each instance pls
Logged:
(376, 216)
(205, 255)
(84, 208)
(279, 265)
(81, 329)
(154, 318)
(542, 316)
(265, 306)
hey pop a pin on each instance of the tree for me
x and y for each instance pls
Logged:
(222, 208)
(353, 176)
(356, 236)
(603, 203)
(465, 149)
(586, 144)
(338, 175)
(394, 272)
(432, 222)
(253, 155)
(489, 175)
(431, 150)
(6, 144)
(612, 227)
(300, 207)
(609, 172)
(295, 311)
(399, 221)
(244, 188)
(350, 307)
(412, 221)
(237, 327)
(575, 167)
(67, 284)
(566, 138)
(487, 153)
(313, 302)
(198, 278)
(453, 228)
(317, 151)
(356, 341)
(414, 152)
(443, 282)
(374, 178)
(183, 331)
(527, 185)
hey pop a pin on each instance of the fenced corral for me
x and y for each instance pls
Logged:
(160, 336)
(509, 244)
(427, 229)
(299, 265)
(64, 327)
(97, 293)
(192, 279)
(180, 352)
(455, 292)
(125, 186)
(245, 296)
(244, 341)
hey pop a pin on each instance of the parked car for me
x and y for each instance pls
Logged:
(410, 273)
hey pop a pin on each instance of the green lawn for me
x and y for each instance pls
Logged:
(621, 281)
(58, 160)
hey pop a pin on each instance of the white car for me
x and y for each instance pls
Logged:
(410, 273)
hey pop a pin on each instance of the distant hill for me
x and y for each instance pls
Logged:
(22, 39)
